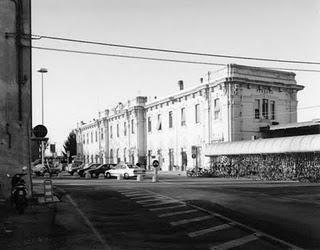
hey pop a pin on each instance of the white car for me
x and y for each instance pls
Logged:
(126, 170)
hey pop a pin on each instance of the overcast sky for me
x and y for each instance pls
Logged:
(78, 86)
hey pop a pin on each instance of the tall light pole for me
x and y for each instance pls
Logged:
(42, 71)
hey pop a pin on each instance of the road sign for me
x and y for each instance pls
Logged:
(155, 163)
(194, 156)
(40, 131)
(52, 148)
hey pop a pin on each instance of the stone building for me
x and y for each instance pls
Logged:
(231, 105)
(117, 135)
(15, 90)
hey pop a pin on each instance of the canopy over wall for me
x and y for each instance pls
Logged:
(294, 144)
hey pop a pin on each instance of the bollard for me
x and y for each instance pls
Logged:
(46, 175)
(139, 177)
(119, 177)
(101, 176)
(88, 176)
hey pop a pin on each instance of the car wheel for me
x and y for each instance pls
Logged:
(126, 176)
(108, 175)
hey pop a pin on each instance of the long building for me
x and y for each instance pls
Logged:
(231, 105)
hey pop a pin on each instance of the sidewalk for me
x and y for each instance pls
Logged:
(30, 230)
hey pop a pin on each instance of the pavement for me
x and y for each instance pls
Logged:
(31, 230)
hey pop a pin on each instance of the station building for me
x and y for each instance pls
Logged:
(233, 104)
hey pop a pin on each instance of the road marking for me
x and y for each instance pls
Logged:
(159, 203)
(88, 222)
(144, 197)
(209, 230)
(235, 243)
(150, 200)
(133, 193)
(186, 221)
(164, 208)
(177, 213)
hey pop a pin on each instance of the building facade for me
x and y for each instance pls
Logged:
(231, 105)
(15, 91)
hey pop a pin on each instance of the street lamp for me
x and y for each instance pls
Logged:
(42, 71)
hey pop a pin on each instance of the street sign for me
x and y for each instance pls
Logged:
(194, 156)
(52, 148)
(40, 131)
(155, 163)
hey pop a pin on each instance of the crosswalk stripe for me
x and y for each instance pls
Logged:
(177, 213)
(165, 208)
(235, 243)
(149, 200)
(159, 203)
(144, 197)
(185, 221)
(134, 195)
(209, 230)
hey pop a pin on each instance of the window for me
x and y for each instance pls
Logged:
(84, 139)
(170, 120)
(117, 130)
(197, 113)
(257, 109)
(183, 117)
(217, 108)
(111, 155)
(87, 138)
(125, 128)
(96, 136)
(132, 126)
(149, 124)
(159, 125)
(265, 108)
(273, 110)
(111, 132)
(101, 133)
(91, 137)
(125, 155)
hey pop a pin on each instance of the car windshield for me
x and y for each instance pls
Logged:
(133, 166)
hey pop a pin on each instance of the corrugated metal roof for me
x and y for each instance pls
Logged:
(294, 144)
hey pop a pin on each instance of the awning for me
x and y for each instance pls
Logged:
(294, 144)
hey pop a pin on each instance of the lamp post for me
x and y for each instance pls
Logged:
(42, 71)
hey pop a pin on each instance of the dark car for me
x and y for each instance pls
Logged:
(81, 172)
(74, 168)
(101, 169)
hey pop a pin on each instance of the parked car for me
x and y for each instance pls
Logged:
(126, 170)
(101, 169)
(72, 168)
(87, 167)
(41, 170)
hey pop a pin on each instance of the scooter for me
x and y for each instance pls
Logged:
(19, 192)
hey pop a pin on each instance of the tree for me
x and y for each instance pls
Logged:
(70, 145)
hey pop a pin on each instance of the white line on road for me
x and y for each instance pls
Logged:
(88, 222)
(209, 230)
(185, 221)
(165, 208)
(159, 203)
(144, 197)
(150, 200)
(235, 243)
(178, 213)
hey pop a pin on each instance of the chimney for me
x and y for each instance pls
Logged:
(201, 80)
(106, 112)
(180, 83)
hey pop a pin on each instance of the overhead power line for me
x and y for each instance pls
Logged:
(173, 51)
(154, 58)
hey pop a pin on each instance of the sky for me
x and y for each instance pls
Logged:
(77, 87)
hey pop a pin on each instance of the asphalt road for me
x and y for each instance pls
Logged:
(189, 213)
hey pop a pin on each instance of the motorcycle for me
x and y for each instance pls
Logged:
(19, 192)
